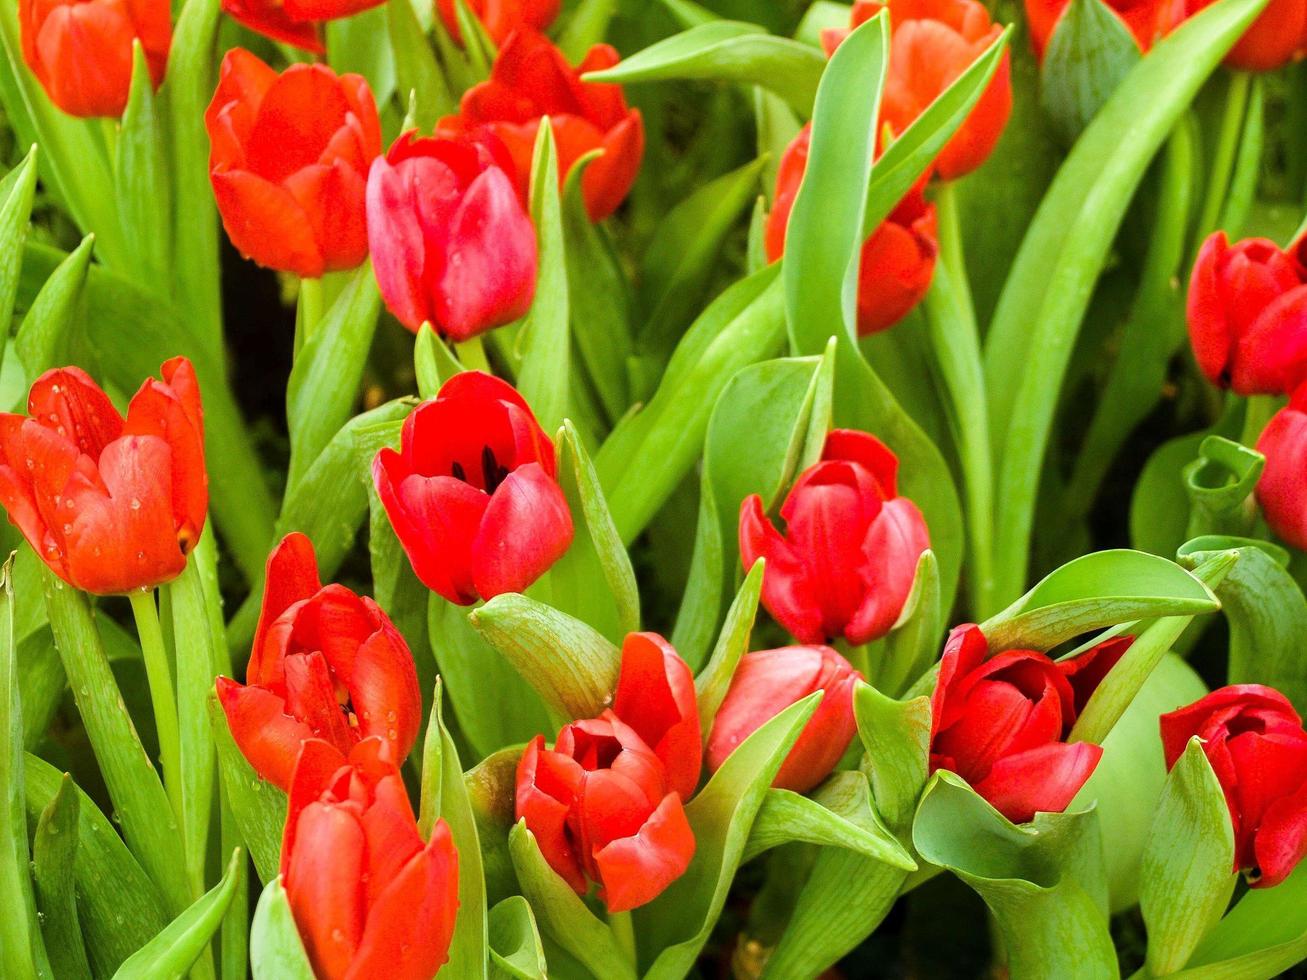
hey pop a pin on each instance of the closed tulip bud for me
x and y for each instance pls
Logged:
(1257, 747)
(501, 17)
(532, 80)
(472, 492)
(1282, 488)
(656, 697)
(326, 664)
(1001, 722)
(81, 50)
(844, 566)
(1247, 313)
(451, 242)
(1146, 20)
(769, 681)
(601, 810)
(289, 161)
(111, 504)
(369, 897)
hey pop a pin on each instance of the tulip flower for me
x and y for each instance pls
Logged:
(1257, 747)
(326, 664)
(1247, 313)
(472, 493)
(1275, 38)
(769, 681)
(272, 19)
(602, 811)
(1001, 723)
(1146, 20)
(844, 566)
(111, 504)
(369, 897)
(531, 80)
(451, 243)
(81, 50)
(501, 17)
(1282, 488)
(289, 160)
(897, 261)
(656, 697)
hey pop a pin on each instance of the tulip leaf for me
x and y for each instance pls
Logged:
(491, 791)
(586, 26)
(361, 44)
(679, 921)
(141, 180)
(276, 950)
(1220, 486)
(54, 863)
(732, 643)
(564, 917)
(1043, 881)
(1090, 51)
(1187, 875)
(819, 17)
(15, 220)
(515, 949)
(433, 362)
(1261, 937)
(416, 68)
(913, 644)
(258, 806)
(896, 737)
(180, 944)
(477, 45)
(729, 51)
(45, 337)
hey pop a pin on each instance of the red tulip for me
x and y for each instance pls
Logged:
(272, 19)
(845, 565)
(289, 162)
(769, 681)
(1247, 314)
(1275, 38)
(111, 504)
(472, 493)
(451, 242)
(1257, 747)
(369, 898)
(655, 696)
(326, 664)
(1001, 723)
(501, 17)
(81, 50)
(1146, 20)
(898, 260)
(1282, 489)
(601, 810)
(531, 80)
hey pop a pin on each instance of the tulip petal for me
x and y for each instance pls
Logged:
(384, 690)
(637, 869)
(655, 695)
(291, 576)
(1281, 841)
(1042, 779)
(525, 529)
(894, 543)
(266, 223)
(324, 886)
(266, 734)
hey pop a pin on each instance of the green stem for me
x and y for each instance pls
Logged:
(1258, 411)
(471, 354)
(308, 312)
(624, 933)
(1227, 145)
(859, 656)
(159, 676)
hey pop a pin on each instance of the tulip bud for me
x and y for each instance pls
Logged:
(601, 810)
(769, 681)
(531, 80)
(451, 242)
(111, 504)
(1247, 313)
(656, 697)
(289, 162)
(847, 560)
(81, 50)
(326, 664)
(472, 493)
(501, 17)
(1146, 20)
(1257, 747)
(1001, 723)
(369, 898)
(1282, 488)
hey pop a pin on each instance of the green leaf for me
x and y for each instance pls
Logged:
(15, 219)
(258, 806)
(478, 46)
(361, 44)
(1097, 590)
(714, 680)
(1187, 875)
(171, 952)
(416, 68)
(679, 921)
(433, 362)
(45, 337)
(896, 738)
(491, 788)
(1159, 506)
(54, 863)
(276, 950)
(1090, 52)
(1261, 937)
(821, 16)
(913, 644)
(1220, 486)
(727, 51)
(515, 949)
(586, 26)
(141, 180)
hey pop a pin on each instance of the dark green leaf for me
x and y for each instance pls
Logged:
(258, 806)
(54, 873)
(1090, 52)
(141, 180)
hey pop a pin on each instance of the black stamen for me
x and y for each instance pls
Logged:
(494, 473)
(458, 472)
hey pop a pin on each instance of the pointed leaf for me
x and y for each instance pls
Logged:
(276, 950)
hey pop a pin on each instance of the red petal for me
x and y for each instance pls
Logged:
(636, 870)
(268, 737)
(1043, 779)
(324, 885)
(291, 576)
(655, 695)
(526, 528)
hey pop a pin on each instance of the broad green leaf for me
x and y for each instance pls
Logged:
(587, 25)
(477, 45)
(141, 180)
(46, 335)
(515, 949)
(54, 874)
(688, 14)
(914, 643)
(258, 806)
(727, 51)
(361, 44)
(714, 680)
(777, 126)
(171, 952)
(1159, 506)
(491, 789)
(433, 362)
(819, 17)
(1090, 52)
(1187, 875)
(896, 738)
(416, 68)
(276, 950)
(1220, 485)
(1097, 590)
(1260, 938)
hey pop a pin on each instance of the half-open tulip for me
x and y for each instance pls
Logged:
(656, 697)
(1282, 488)
(845, 564)
(602, 811)
(501, 17)
(1001, 722)
(326, 664)
(451, 242)
(81, 50)
(769, 681)
(1146, 20)
(1247, 312)
(369, 897)
(472, 492)
(532, 80)
(1257, 747)
(111, 504)
(289, 162)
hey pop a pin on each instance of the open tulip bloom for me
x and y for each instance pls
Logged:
(622, 491)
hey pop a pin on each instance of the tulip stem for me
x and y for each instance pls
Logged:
(624, 933)
(472, 355)
(1258, 410)
(159, 676)
(308, 313)
(1227, 145)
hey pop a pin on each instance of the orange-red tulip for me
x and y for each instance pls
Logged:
(501, 17)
